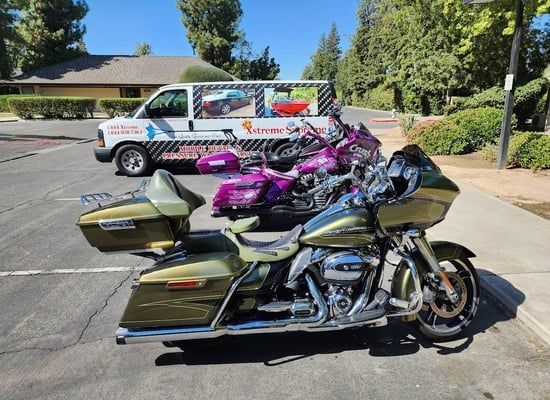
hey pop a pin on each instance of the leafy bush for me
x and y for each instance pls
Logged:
(114, 107)
(482, 125)
(492, 97)
(406, 122)
(199, 73)
(51, 107)
(442, 137)
(4, 100)
(526, 150)
(526, 98)
(379, 98)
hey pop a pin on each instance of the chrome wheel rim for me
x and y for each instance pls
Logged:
(453, 319)
(226, 109)
(132, 160)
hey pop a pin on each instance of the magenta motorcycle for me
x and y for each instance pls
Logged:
(286, 198)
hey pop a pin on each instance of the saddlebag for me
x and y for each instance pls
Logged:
(182, 290)
(244, 190)
(226, 163)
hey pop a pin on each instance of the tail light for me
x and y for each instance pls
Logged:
(207, 104)
(100, 138)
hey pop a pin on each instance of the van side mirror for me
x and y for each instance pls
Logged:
(147, 110)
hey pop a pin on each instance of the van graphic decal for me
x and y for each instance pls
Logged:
(152, 132)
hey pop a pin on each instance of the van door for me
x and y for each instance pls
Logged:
(168, 118)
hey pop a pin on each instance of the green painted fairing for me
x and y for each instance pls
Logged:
(338, 227)
(423, 208)
(152, 304)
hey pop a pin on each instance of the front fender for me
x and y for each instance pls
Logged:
(402, 284)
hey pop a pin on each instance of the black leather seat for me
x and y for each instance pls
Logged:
(274, 161)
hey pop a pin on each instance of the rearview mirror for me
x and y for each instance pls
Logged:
(147, 110)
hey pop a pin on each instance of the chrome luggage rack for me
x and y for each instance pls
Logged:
(98, 198)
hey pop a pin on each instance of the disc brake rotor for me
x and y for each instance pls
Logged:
(446, 310)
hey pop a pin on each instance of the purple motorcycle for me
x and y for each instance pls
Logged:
(303, 191)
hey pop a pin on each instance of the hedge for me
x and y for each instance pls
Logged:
(199, 73)
(4, 100)
(462, 132)
(482, 124)
(527, 99)
(443, 137)
(526, 150)
(114, 107)
(51, 107)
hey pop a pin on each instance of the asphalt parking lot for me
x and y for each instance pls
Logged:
(57, 329)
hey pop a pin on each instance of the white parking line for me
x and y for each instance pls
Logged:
(33, 272)
(68, 199)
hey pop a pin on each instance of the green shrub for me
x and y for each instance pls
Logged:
(492, 97)
(442, 137)
(199, 73)
(406, 122)
(114, 107)
(482, 125)
(51, 106)
(526, 98)
(4, 100)
(526, 150)
(379, 98)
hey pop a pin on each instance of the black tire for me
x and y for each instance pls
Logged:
(225, 108)
(452, 326)
(133, 160)
(285, 149)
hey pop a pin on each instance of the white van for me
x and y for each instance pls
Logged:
(183, 122)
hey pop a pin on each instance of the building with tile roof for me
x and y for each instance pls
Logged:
(104, 76)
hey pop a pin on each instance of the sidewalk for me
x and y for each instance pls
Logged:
(512, 247)
(513, 252)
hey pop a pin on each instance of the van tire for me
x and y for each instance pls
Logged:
(133, 160)
(284, 149)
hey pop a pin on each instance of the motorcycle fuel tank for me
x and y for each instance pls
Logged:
(340, 227)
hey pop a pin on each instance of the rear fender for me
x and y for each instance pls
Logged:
(402, 282)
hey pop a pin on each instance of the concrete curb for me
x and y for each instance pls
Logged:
(512, 306)
(9, 119)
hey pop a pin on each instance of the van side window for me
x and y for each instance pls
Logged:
(172, 103)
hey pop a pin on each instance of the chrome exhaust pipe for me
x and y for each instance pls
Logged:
(127, 336)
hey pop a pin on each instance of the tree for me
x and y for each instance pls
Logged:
(7, 38)
(143, 49)
(240, 64)
(51, 31)
(264, 67)
(324, 62)
(212, 28)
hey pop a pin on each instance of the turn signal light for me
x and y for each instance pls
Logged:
(100, 143)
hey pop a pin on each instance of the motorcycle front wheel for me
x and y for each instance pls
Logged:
(440, 319)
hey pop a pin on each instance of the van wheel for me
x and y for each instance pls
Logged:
(226, 109)
(286, 150)
(132, 160)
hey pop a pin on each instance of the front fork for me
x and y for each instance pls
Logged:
(428, 254)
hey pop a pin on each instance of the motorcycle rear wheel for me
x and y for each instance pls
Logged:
(441, 320)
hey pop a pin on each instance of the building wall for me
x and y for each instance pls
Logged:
(78, 91)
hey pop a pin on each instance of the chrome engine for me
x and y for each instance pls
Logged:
(342, 270)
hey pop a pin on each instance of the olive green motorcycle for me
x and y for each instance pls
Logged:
(324, 275)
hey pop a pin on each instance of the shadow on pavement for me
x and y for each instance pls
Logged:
(395, 339)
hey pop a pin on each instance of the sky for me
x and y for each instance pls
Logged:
(291, 28)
